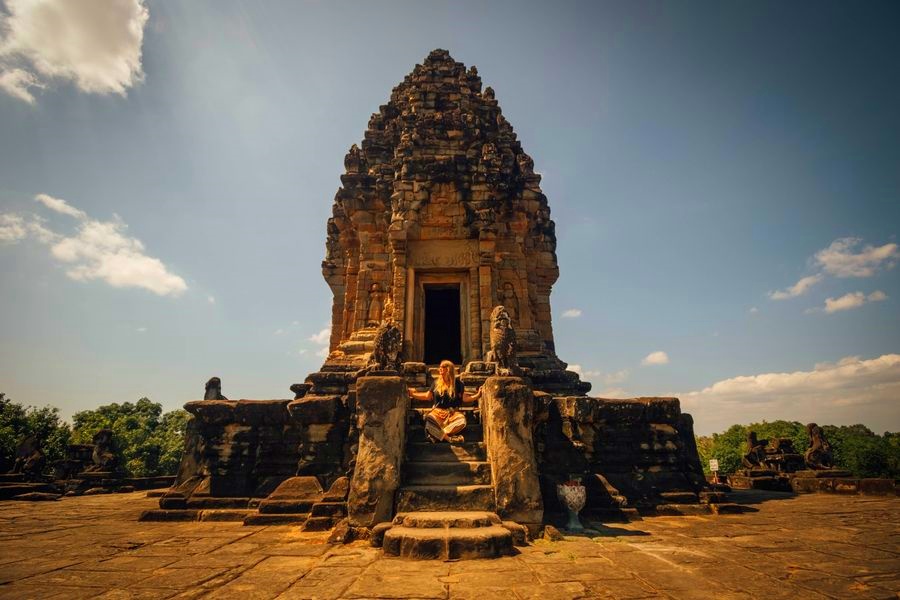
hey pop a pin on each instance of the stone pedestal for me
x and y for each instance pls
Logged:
(381, 405)
(508, 415)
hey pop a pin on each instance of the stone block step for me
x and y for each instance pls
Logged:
(448, 543)
(459, 519)
(415, 432)
(274, 519)
(446, 473)
(679, 497)
(204, 502)
(443, 452)
(225, 514)
(10, 490)
(162, 514)
(412, 498)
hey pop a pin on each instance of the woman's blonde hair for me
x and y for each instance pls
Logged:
(442, 387)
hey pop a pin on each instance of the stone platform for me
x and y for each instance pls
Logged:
(806, 546)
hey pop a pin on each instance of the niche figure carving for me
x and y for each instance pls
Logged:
(819, 455)
(503, 343)
(214, 389)
(375, 310)
(510, 300)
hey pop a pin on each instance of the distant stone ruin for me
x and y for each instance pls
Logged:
(440, 247)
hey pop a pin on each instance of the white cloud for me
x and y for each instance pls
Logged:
(841, 260)
(279, 331)
(798, 289)
(211, 299)
(141, 329)
(323, 337)
(612, 392)
(322, 352)
(617, 377)
(853, 390)
(572, 313)
(656, 358)
(12, 228)
(60, 206)
(97, 250)
(754, 310)
(95, 45)
(18, 83)
(852, 300)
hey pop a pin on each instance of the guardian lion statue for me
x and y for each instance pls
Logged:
(388, 343)
(214, 389)
(503, 343)
(819, 455)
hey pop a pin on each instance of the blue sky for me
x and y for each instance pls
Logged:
(724, 177)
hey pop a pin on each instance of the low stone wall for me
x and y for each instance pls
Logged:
(246, 448)
(643, 448)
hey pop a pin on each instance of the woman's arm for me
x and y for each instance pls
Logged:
(419, 395)
(467, 397)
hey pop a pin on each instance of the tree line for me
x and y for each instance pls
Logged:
(149, 441)
(856, 448)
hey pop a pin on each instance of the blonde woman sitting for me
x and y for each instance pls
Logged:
(445, 422)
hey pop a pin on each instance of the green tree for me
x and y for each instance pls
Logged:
(149, 442)
(17, 422)
(855, 447)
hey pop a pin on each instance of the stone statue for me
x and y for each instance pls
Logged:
(526, 164)
(214, 389)
(375, 311)
(503, 343)
(299, 390)
(819, 455)
(488, 93)
(353, 160)
(30, 459)
(509, 299)
(103, 458)
(388, 343)
(756, 452)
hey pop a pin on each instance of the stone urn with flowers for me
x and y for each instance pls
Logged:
(573, 496)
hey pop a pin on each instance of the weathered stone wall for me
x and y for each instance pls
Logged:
(246, 448)
(643, 447)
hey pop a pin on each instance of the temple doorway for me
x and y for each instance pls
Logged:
(442, 324)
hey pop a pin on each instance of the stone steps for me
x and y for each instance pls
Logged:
(447, 473)
(415, 433)
(447, 536)
(412, 498)
(428, 452)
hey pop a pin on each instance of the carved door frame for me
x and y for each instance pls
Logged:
(416, 280)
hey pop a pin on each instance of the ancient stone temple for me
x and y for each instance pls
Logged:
(440, 246)
(441, 212)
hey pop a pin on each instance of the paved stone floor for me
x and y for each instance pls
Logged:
(812, 546)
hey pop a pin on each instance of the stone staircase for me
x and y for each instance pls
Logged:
(445, 503)
(444, 476)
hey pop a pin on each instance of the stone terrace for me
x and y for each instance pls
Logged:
(811, 546)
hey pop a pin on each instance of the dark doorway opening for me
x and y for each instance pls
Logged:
(442, 333)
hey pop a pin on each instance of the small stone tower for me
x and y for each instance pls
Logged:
(441, 212)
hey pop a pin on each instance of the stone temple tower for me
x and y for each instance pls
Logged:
(441, 212)
(439, 219)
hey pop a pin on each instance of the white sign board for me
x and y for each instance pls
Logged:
(713, 464)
